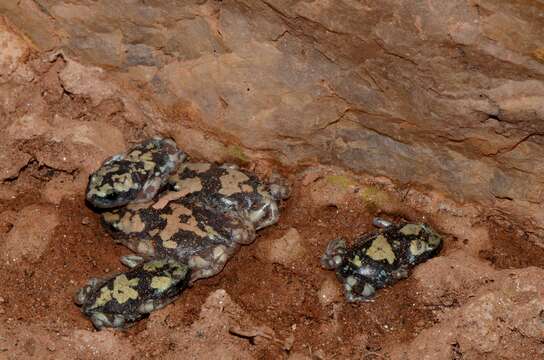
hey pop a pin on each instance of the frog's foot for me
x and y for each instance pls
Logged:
(243, 234)
(266, 215)
(142, 247)
(356, 290)
(210, 262)
(334, 254)
(381, 223)
(278, 186)
(132, 261)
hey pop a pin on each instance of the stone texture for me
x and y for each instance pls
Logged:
(30, 234)
(221, 331)
(502, 320)
(447, 94)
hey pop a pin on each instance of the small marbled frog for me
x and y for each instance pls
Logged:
(124, 298)
(380, 258)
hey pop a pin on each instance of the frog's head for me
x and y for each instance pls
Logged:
(424, 241)
(113, 184)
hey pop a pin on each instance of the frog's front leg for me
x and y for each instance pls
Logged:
(278, 186)
(211, 261)
(356, 289)
(334, 254)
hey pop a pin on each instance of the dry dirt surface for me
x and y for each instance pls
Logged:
(482, 298)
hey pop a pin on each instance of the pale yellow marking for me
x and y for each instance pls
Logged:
(122, 289)
(210, 231)
(111, 218)
(154, 265)
(103, 298)
(123, 182)
(173, 223)
(434, 239)
(410, 229)
(147, 159)
(134, 155)
(184, 187)
(357, 261)
(246, 188)
(161, 283)
(231, 182)
(381, 250)
(101, 191)
(169, 244)
(131, 223)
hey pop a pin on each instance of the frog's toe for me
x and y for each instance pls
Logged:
(334, 254)
(132, 261)
(278, 186)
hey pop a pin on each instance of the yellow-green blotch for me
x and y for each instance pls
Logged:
(122, 289)
(161, 283)
(340, 181)
(410, 229)
(381, 250)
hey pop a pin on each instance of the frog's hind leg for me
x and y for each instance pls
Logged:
(211, 261)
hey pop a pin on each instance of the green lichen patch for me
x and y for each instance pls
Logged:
(237, 152)
(340, 181)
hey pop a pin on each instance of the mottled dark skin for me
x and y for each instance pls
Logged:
(184, 229)
(136, 176)
(380, 258)
(125, 298)
(229, 188)
(198, 221)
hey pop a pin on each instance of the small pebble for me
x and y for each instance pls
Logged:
(85, 221)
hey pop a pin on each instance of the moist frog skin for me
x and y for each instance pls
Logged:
(229, 188)
(380, 258)
(135, 176)
(184, 229)
(124, 298)
(191, 217)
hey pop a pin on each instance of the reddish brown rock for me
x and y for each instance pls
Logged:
(31, 233)
(443, 94)
(503, 319)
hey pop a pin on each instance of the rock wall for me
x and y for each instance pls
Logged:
(446, 94)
